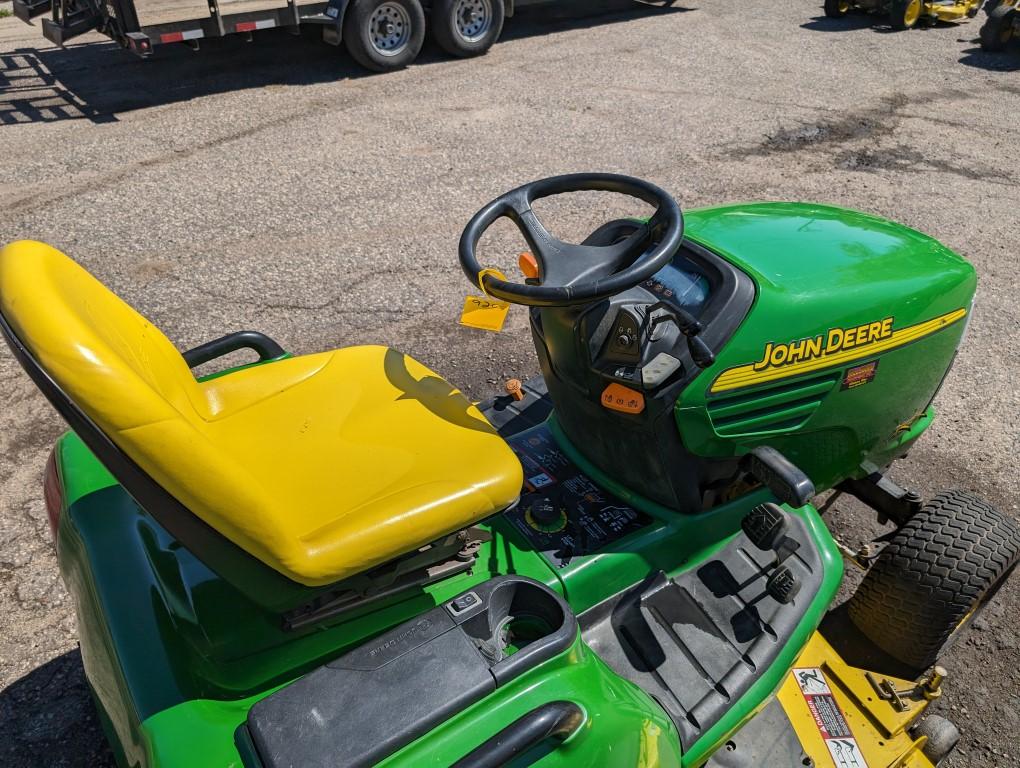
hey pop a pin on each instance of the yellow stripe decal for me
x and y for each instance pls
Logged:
(751, 374)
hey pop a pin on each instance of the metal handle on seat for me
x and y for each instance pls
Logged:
(557, 720)
(265, 347)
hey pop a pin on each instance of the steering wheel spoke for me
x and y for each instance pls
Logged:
(625, 252)
(577, 273)
(548, 250)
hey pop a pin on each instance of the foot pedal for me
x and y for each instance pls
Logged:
(765, 525)
(782, 585)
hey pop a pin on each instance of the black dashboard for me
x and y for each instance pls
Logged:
(615, 369)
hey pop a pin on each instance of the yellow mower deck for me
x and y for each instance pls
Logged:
(906, 15)
(841, 719)
(959, 10)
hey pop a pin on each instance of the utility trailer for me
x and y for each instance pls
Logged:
(381, 35)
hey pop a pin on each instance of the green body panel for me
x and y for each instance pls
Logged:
(623, 728)
(634, 725)
(176, 657)
(816, 268)
(80, 473)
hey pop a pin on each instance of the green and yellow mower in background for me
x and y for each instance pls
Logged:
(906, 14)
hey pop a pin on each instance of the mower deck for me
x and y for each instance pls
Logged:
(827, 715)
(836, 710)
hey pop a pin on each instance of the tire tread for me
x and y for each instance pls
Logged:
(939, 565)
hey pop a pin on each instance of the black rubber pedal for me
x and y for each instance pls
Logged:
(765, 525)
(782, 585)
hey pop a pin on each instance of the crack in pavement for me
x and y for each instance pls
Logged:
(98, 183)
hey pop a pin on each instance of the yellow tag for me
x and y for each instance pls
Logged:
(484, 311)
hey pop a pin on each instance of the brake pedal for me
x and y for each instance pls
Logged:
(765, 525)
(782, 585)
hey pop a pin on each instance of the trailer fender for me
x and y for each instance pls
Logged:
(332, 19)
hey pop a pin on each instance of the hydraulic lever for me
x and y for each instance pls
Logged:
(688, 325)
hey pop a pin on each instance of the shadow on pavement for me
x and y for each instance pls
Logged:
(1001, 61)
(48, 720)
(96, 81)
(849, 23)
(877, 22)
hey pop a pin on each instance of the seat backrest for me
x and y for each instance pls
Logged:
(109, 371)
(110, 360)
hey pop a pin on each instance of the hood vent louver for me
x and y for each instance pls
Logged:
(777, 408)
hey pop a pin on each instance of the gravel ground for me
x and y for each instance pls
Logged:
(274, 186)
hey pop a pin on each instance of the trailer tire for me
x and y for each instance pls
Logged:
(467, 28)
(933, 577)
(384, 35)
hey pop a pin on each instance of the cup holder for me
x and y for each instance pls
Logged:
(415, 676)
(522, 631)
(520, 624)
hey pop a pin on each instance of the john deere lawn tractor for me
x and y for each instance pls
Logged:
(906, 14)
(338, 560)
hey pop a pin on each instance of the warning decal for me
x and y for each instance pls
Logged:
(829, 718)
(859, 376)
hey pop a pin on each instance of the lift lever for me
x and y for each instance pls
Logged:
(688, 325)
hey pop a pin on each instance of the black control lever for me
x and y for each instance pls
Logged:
(689, 326)
(780, 475)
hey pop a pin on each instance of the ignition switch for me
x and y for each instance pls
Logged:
(625, 337)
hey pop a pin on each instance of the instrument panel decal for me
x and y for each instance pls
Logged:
(562, 512)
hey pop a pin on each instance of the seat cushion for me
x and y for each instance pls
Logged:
(321, 466)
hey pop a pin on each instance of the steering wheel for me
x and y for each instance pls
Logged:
(576, 274)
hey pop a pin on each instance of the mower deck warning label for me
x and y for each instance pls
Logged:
(829, 718)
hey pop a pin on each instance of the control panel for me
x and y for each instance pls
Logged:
(638, 346)
(638, 354)
(562, 513)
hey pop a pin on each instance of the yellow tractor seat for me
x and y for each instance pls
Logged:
(320, 466)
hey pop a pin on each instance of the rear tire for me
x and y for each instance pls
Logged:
(903, 14)
(997, 30)
(384, 35)
(836, 9)
(933, 576)
(467, 28)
